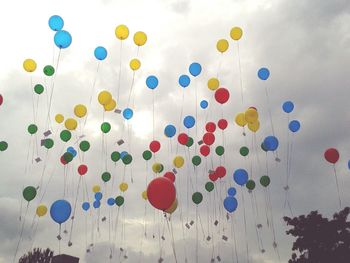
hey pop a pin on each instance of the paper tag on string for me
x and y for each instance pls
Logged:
(47, 133)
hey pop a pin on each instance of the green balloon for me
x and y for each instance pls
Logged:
(29, 193)
(3, 146)
(220, 150)
(196, 160)
(197, 198)
(115, 156)
(84, 146)
(68, 157)
(244, 151)
(38, 89)
(49, 70)
(32, 129)
(119, 200)
(105, 127)
(250, 185)
(65, 135)
(209, 186)
(189, 142)
(265, 180)
(127, 159)
(161, 168)
(263, 147)
(106, 176)
(48, 143)
(147, 155)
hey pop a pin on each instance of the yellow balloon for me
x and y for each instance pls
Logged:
(140, 38)
(29, 65)
(104, 97)
(236, 33)
(222, 45)
(96, 188)
(172, 208)
(80, 110)
(144, 195)
(41, 210)
(71, 124)
(251, 115)
(122, 32)
(157, 167)
(254, 127)
(213, 83)
(135, 64)
(110, 106)
(123, 187)
(240, 119)
(59, 118)
(178, 161)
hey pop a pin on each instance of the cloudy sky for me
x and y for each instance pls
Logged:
(305, 45)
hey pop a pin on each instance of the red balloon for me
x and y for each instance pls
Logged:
(210, 127)
(331, 155)
(209, 138)
(204, 150)
(213, 176)
(222, 95)
(170, 176)
(253, 108)
(222, 123)
(154, 146)
(82, 169)
(1, 99)
(182, 138)
(220, 171)
(161, 193)
(63, 161)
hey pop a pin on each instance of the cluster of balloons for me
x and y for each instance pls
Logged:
(222, 45)
(250, 118)
(62, 38)
(293, 125)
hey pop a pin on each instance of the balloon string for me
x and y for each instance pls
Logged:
(255, 221)
(196, 233)
(21, 233)
(233, 233)
(273, 226)
(240, 72)
(171, 232)
(153, 120)
(245, 226)
(219, 66)
(74, 210)
(120, 69)
(181, 114)
(116, 229)
(336, 181)
(131, 88)
(34, 234)
(59, 240)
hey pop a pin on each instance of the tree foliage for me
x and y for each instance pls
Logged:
(37, 256)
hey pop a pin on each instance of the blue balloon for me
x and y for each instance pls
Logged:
(85, 206)
(231, 191)
(204, 104)
(128, 113)
(271, 143)
(263, 73)
(62, 39)
(100, 53)
(288, 106)
(71, 150)
(240, 176)
(56, 23)
(122, 154)
(60, 211)
(170, 131)
(152, 82)
(195, 69)
(111, 201)
(97, 204)
(294, 126)
(349, 164)
(230, 204)
(184, 81)
(98, 196)
(189, 122)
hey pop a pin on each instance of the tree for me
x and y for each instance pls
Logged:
(320, 240)
(37, 256)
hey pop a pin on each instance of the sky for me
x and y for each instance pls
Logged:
(304, 44)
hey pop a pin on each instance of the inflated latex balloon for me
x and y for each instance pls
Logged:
(59, 118)
(144, 195)
(189, 121)
(204, 150)
(178, 161)
(182, 138)
(263, 73)
(3, 146)
(222, 124)
(104, 97)
(172, 208)
(84, 146)
(331, 155)
(106, 176)
(111, 201)
(204, 104)
(82, 169)
(100, 53)
(105, 127)
(122, 32)
(41, 210)
(128, 113)
(271, 143)
(208, 138)
(127, 159)
(161, 193)
(123, 187)
(96, 188)
(195, 69)
(65, 135)
(85, 206)
(196, 160)
(32, 129)
(29, 65)
(209, 186)
(220, 150)
(119, 200)
(49, 70)
(230, 204)
(288, 106)
(60, 211)
(147, 155)
(157, 167)
(294, 126)
(231, 191)
(222, 45)
(244, 151)
(152, 82)
(98, 196)
(71, 124)
(210, 127)
(135, 64)
(170, 176)
(80, 110)
(197, 198)
(265, 180)
(56, 23)
(154, 146)
(29, 193)
(236, 33)
(254, 127)
(184, 81)
(213, 84)
(170, 131)
(140, 38)
(220, 171)
(62, 39)
(240, 119)
(222, 95)
(251, 115)
(240, 176)
(110, 106)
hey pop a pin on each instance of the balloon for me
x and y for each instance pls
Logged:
(196, 160)
(209, 186)
(251, 115)
(213, 83)
(294, 126)
(85, 206)
(49, 70)
(106, 176)
(222, 124)
(152, 82)
(222, 95)
(32, 129)
(100, 53)
(38, 89)
(204, 150)
(29, 65)
(147, 155)
(250, 185)
(65, 135)
(161, 193)
(220, 150)
(62, 39)
(170, 131)
(41, 210)
(60, 211)
(220, 171)
(204, 104)
(189, 142)
(349, 164)
(210, 127)
(244, 151)
(3, 146)
(195, 69)
(71, 124)
(263, 147)
(56, 23)
(105, 127)
(110, 201)
(331, 155)
(263, 73)
(59, 118)
(29, 193)
(222, 45)
(110, 106)
(104, 97)
(72, 151)
(154, 146)
(96, 188)
(240, 119)
(189, 121)
(172, 208)
(127, 159)
(254, 127)
(170, 176)
(157, 167)
(209, 138)
(135, 64)
(213, 176)
(67, 158)
(236, 33)
(230, 204)
(84, 146)
(122, 32)
(1, 99)
(144, 195)
(119, 200)
(197, 198)
(82, 169)
(184, 81)
(182, 138)
(96, 204)
(140, 38)
(288, 106)
(178, 161)
(98, 196)
(271, 143)
(265, 180)
(123, 187)
(48, 143)
(231, 191)
(115, 156)
(128, 113)
(240, 176)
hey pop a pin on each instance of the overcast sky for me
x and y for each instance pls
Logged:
(305, 45)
